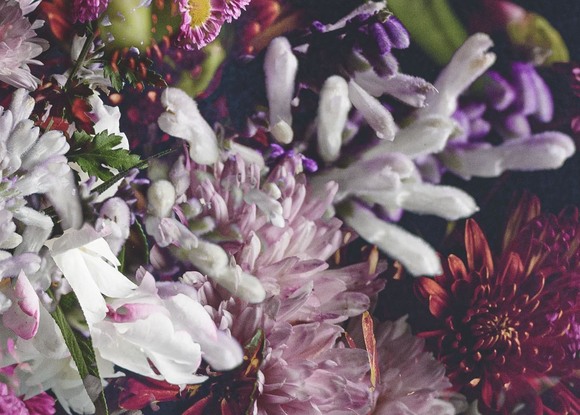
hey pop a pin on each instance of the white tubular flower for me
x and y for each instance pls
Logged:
(468, 63)
(280, 67)
(90, 268)
(414, 253)
(378, 117)
(182, 119)
(333, 111)
(547, 150)
(425, 199)
(422, 137)
(411, 90)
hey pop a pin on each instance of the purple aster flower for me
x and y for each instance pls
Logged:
(19, 45)
(201, 22)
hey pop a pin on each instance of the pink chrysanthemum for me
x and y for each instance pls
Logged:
(201, 22)
(88, 10)
(18, 45)
(233, 9)
(411, 380)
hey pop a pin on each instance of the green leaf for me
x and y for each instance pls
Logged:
(535, 32)
(432, 25)
(114, 77)
(98, 155)
(83, 354)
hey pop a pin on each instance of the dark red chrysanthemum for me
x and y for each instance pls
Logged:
(507, 328)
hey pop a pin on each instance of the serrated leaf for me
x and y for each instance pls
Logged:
(83, 354)
(99, 154)
(114, 77)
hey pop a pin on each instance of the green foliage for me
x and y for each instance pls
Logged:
(83, 354)
(134, 70)
(97, 155)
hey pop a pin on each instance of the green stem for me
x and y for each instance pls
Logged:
(81, 59)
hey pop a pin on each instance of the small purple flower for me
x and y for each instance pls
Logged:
(88, 10)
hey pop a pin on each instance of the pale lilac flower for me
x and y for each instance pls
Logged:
(305, 373)
(303, 369)
(201, 22)
(412, 381)
(19, 44)
(88, 10)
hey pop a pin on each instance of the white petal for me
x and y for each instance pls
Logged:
(161, 198)
(469, 62)
(422, 137)
(378, 117)
(333, 111)
(444, 201)
(241, 284)
(413, 252)
(544, 151)
(220, 350)
(280, 67)
(184, 120)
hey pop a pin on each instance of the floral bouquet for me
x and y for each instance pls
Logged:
(265, 207)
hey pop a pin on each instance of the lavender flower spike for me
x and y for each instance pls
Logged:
(332, 116)
(280, 67)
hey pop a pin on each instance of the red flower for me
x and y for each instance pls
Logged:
(507, 328)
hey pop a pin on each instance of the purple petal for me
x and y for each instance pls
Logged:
(398, 35)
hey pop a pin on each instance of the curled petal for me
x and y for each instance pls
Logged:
(182, 119)
(413, 252)
(378, 117)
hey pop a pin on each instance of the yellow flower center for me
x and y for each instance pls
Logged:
(200, 11)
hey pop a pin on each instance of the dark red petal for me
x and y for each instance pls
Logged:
(457, 268)
(512, 270)
(478, 253)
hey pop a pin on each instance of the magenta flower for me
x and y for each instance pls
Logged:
(88, 10)
(13, 404)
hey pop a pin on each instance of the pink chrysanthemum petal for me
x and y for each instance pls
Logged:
(233, 9)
